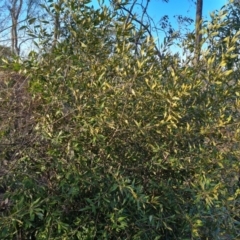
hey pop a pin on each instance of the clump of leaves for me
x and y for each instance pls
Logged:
(123, 146)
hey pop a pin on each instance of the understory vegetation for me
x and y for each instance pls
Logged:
(103, 137)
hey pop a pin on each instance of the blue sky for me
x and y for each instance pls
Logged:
(159, 8)
(187, 8)
(183, 7)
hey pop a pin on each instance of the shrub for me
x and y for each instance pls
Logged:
(123, 146)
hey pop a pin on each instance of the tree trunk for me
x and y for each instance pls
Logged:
(198, 36)
(14, 10)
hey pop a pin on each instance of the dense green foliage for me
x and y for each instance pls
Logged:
(116, 144)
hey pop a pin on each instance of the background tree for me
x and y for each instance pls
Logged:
(15, 8)
(19, 11)
(198, 34)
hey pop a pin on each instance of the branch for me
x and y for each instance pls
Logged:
(145, 27)
(12, 25)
